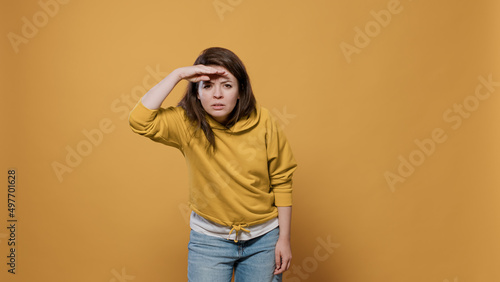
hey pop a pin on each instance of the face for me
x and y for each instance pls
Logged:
(219, 95)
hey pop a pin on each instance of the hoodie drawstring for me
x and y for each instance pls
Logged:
(237, 228)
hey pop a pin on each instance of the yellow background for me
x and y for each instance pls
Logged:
(121, 212)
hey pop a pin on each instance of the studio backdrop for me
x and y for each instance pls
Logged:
(391, 109)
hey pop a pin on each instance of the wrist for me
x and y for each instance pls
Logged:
(176, 75)
(284, 237)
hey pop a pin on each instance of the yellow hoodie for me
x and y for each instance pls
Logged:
(249, 175)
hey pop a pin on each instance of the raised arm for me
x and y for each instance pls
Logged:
(155, 96)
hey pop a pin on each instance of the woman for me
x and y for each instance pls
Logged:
(240, 169)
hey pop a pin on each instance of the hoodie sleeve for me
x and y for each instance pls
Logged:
(281, 164)
(164, 125)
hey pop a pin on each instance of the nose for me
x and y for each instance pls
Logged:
(218, 92)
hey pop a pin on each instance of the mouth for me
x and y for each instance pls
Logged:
(218, 106)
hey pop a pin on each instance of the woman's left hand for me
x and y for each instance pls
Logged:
(283, 254)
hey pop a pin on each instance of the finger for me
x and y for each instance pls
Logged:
(288, 264)
(209, 70)
(204, 78)
(218, 73)
(277, 256)
(278, 271)
(212, 70)
(199, 78)
(285, 265)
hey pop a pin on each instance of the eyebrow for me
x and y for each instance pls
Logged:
(223, 81)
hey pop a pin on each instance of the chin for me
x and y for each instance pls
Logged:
(217, 115)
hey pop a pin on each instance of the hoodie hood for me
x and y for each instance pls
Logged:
(243, 124)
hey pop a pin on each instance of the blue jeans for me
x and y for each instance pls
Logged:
(213, 259)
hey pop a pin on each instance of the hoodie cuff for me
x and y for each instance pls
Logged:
(140, 116)
(282, 199)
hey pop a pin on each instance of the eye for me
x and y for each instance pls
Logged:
(227, 85)
(206, 86)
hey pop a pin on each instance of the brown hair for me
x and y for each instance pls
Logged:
(244, 106)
